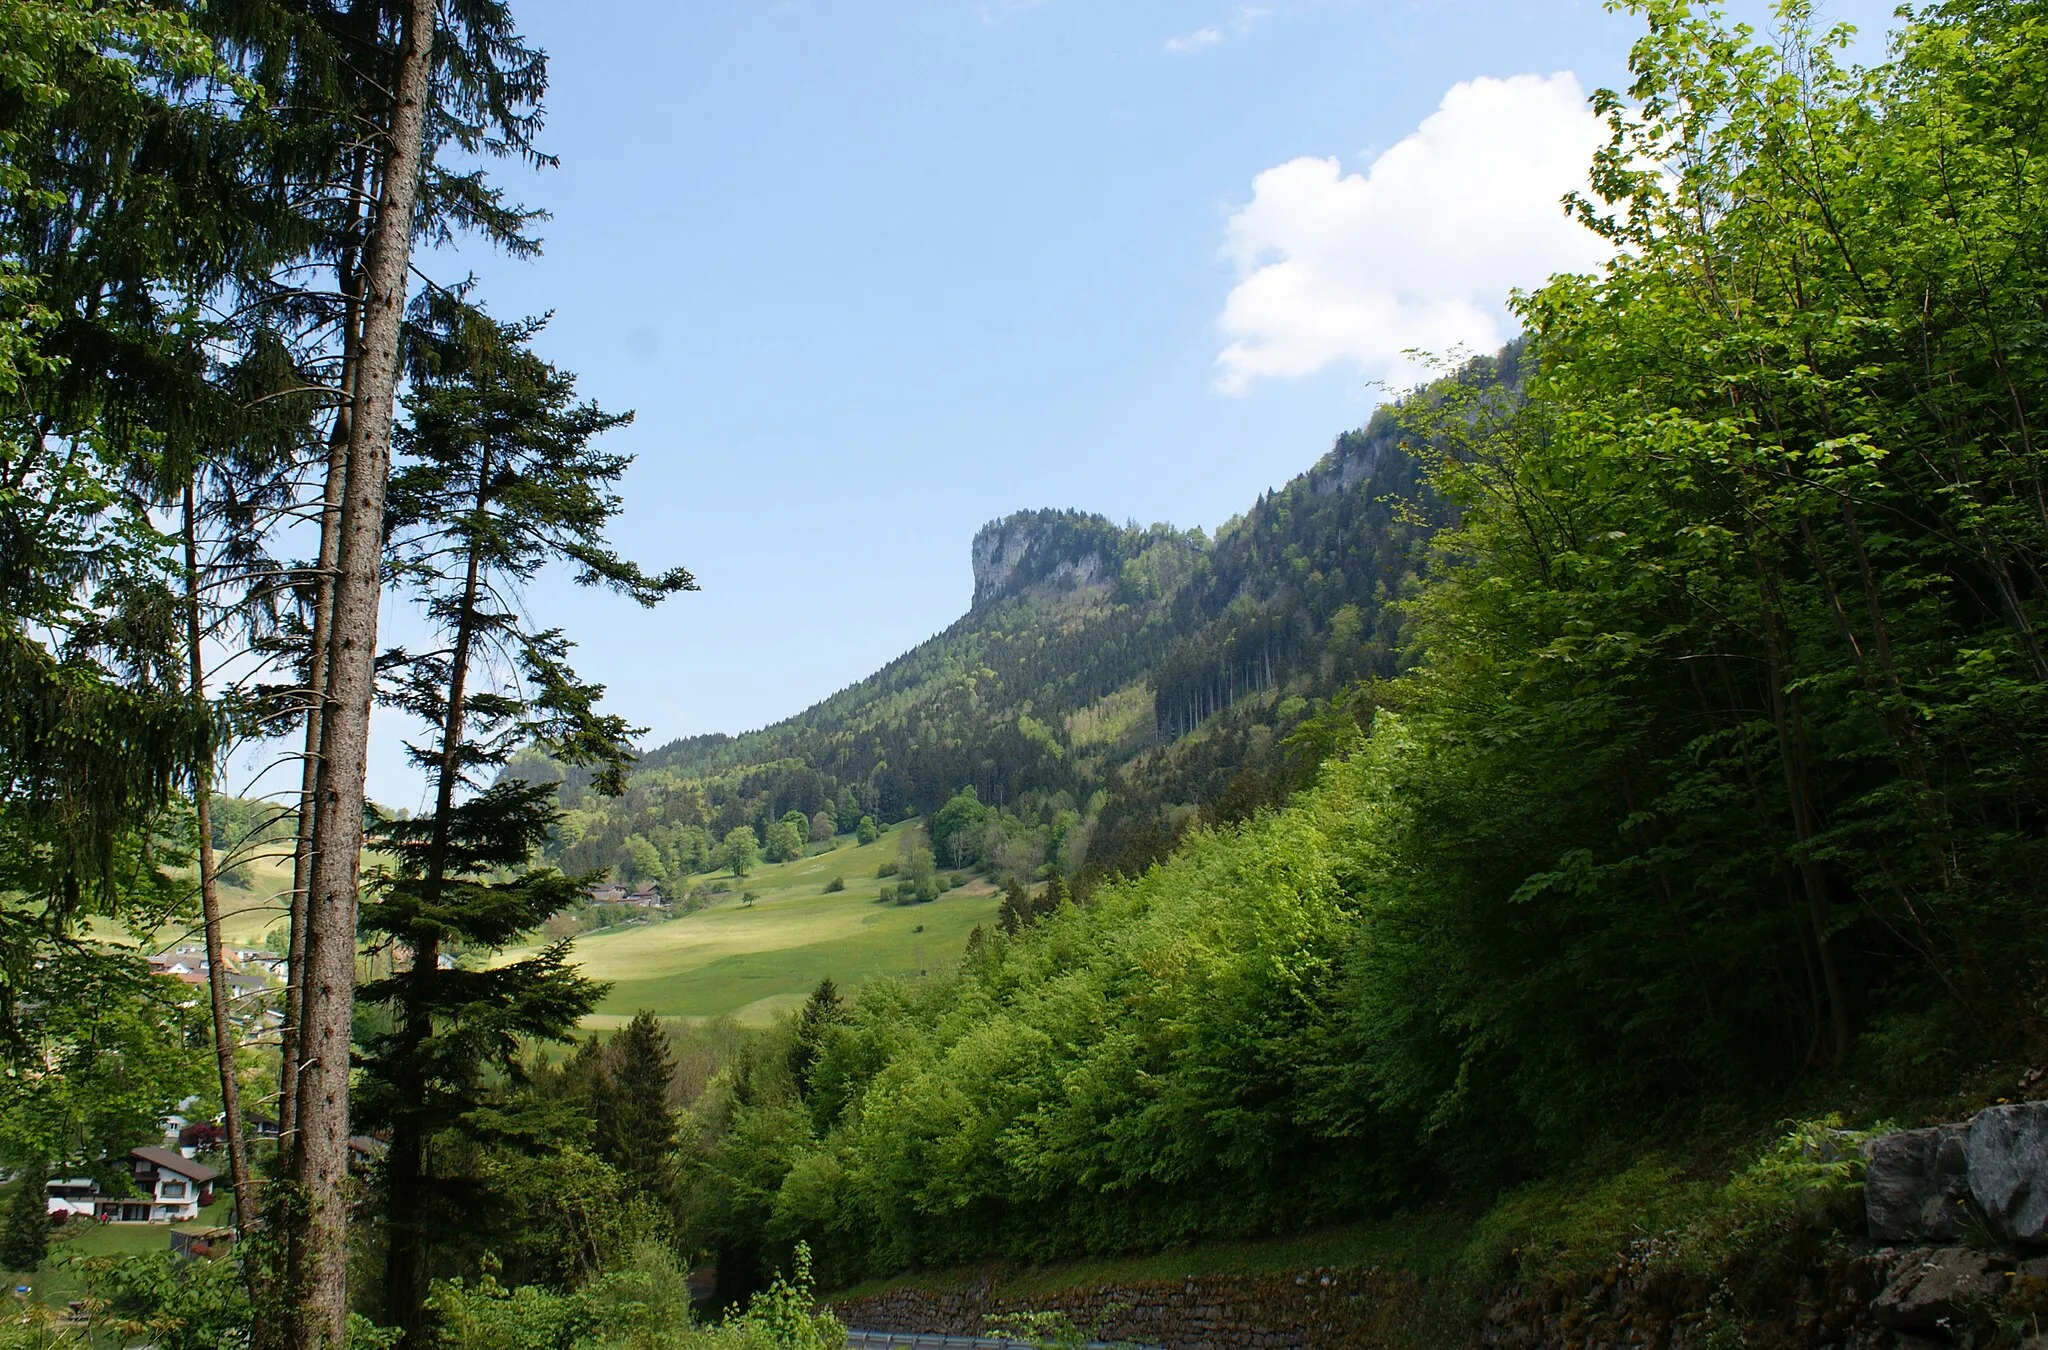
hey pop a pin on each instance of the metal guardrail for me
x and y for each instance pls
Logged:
(915, 1340)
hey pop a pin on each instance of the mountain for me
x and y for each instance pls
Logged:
(1107, 685)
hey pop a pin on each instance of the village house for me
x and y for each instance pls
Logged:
(170, 1189)
(71, 1196)
(181, 968)
(607, 893)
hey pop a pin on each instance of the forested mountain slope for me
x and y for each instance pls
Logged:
(1708, 820)
(1106, 681)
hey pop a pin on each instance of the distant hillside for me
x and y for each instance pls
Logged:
(757, 946)
(1107, 683)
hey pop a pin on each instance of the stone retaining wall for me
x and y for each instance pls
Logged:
(1873, 1298)
(1909, 1284)
(1321, 1309)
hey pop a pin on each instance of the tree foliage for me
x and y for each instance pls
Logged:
(500, 479)
(636, 1127)
(25, 1229)
(1720, 761)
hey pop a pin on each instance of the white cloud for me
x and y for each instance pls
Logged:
(1240, 22)
(1420, 250)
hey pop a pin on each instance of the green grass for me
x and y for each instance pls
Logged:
(750, 962)
(57, 1284)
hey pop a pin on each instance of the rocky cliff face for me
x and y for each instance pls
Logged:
(1066, 548)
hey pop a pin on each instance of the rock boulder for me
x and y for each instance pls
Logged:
(2008, 1169)
(1935, 1288)
(1916, 1183)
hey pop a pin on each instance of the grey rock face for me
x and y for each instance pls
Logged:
(1915, 1184)
(2008, 1161)
(1935, 1287)
(1060, 550)
(998, 549)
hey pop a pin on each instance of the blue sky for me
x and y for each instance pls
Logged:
(875, 272)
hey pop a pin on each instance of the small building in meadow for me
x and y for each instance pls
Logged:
(171, 1189)
(69, 1196)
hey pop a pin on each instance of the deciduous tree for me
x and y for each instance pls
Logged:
(741, 851)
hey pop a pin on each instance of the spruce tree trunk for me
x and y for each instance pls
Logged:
(309, 783)
(209, 891)
(318, 1255)
(349, 282)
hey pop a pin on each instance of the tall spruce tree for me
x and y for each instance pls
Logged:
(25, 1234)
(144, 215)
(108, 224)
(501, 479)
(636, 1130)
(822, 1011)
(325, 86)
(412, 79)
(168, 174)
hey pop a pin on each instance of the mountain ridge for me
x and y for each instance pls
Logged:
(1109, 682)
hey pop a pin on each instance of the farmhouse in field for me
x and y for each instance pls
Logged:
(170, 1189)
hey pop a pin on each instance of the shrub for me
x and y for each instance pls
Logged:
(912, 892)
(887, 869)
(835, 885)
(645, 1305)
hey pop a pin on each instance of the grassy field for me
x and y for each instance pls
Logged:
(249, 913)
(745, 961)
(751, 961)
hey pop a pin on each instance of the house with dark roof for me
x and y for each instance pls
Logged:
(171, 1189)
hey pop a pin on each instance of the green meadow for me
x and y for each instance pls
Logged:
(750, 962)
(60, 1280)
(731, 959)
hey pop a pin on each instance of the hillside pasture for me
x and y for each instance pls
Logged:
(750, 962)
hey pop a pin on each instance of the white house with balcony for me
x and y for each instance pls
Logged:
(170, 1188)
